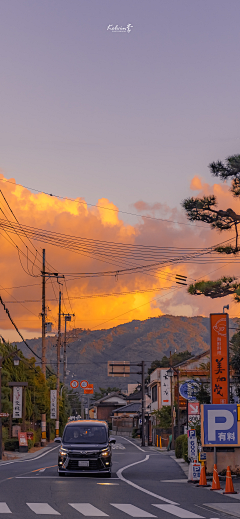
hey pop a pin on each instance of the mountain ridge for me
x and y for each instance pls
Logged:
(89, 351)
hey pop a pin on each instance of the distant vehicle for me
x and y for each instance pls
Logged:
(73, 418)
(85, 448)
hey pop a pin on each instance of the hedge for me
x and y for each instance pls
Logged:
(181, 447)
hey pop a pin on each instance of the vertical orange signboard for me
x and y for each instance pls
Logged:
(219, 359)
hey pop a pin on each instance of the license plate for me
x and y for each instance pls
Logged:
(83, 463)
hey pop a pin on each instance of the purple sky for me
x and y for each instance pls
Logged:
(86, 112)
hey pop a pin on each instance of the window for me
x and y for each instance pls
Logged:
(80, 434)
(154, 393)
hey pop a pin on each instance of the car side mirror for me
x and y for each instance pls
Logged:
(58, 439)
(112, 440)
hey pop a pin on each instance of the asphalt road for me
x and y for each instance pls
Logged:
(144, 483)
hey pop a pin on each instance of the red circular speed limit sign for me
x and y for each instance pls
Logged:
(74, 384)
(83, 383)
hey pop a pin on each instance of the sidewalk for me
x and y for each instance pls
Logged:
(15, 456)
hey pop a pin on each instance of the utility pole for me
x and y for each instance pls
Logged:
(43, 314)
(143, 405)
(68, 317)
(44, 275)
(58, 361)
(43, 421)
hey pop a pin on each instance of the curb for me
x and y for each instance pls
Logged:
(27, 455)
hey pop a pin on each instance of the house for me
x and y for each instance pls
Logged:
(194, 368)
(104, 407)
(125, 419)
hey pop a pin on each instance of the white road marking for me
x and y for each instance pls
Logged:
(132, 510)
(118, 446)
(132, 443)
(40, 471)
(179, 512)
(4, 509)
(88, 510)
(31, 459)
(42, 509)
(229, 508)
(119, 474)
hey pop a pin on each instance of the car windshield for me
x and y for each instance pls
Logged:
(80, 434)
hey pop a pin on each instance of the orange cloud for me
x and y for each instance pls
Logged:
(151, 293)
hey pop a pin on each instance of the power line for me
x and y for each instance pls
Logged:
(106, 208)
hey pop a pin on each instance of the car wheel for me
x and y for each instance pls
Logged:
(61, 474)
(109, 475)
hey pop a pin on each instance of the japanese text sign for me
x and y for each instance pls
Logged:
(165, 388)
(219, 358)
(17, 402)
(53, 404)
(220, 424)
(22, 439)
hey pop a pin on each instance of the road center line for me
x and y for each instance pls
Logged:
(120, 476)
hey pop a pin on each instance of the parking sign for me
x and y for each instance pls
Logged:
(220, 424)
(192, 444)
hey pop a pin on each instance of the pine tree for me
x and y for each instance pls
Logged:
(206, 210)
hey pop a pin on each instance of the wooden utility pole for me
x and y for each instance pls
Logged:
(58, 361)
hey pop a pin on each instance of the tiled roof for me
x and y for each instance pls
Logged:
(130, 408)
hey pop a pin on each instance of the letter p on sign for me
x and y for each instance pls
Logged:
(220, 424)
(214, 426)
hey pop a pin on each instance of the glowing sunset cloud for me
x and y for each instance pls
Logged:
(101, 222)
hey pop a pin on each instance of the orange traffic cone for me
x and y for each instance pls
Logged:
(229, 488)
(203, 479)
(215, 481)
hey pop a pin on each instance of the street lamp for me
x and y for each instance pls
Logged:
(16, 360)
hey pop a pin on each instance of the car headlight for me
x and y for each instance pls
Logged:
(106, 452)
(63, 451)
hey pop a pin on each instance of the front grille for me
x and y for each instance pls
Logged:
(93, 464)
(77, 455)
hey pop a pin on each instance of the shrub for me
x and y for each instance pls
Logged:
(185, 447)
(30, 444)
(11, 444)
(179, 446)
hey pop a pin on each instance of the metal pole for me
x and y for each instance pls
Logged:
(65, 352)
(215, 455)
(172, 415)
(43, 315)
(178, 411)
(0, 408)
(143, 406)
(58, 362)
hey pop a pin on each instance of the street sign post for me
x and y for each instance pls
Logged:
(219, 425)
(118, 368)
(74, 384)
(193, 413)
(83, 384)
(192, 445)
(188, 390)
